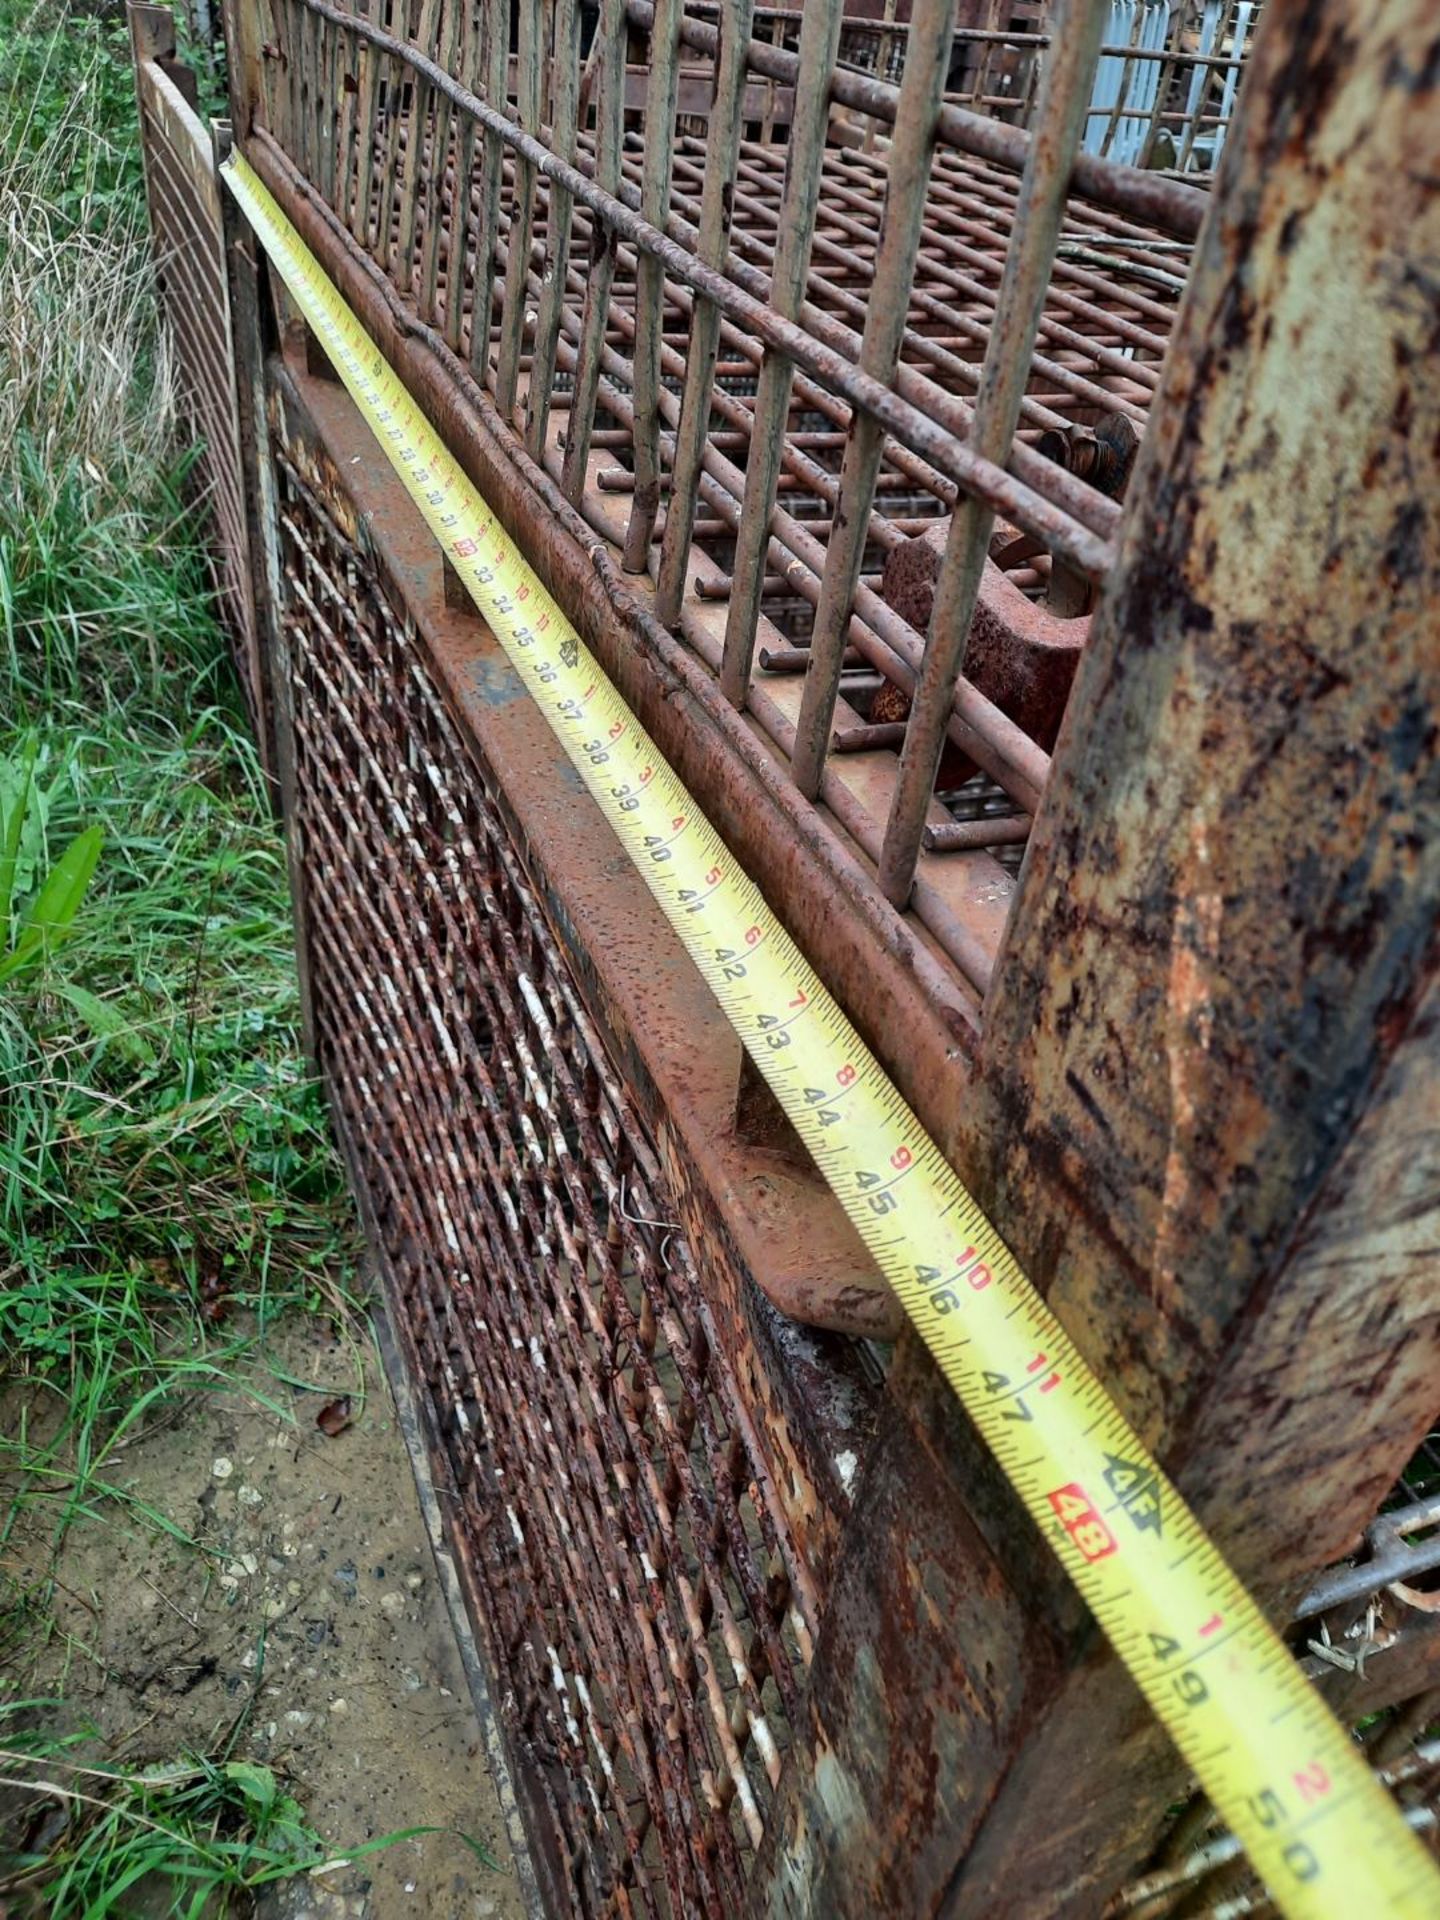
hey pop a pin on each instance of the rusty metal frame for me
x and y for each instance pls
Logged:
(1156, 1049)
(187, 223)
(928, 431)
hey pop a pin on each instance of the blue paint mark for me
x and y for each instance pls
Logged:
(496, 681)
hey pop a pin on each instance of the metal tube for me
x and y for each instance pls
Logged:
(1064, 97)
(495, 35)
(413, 172)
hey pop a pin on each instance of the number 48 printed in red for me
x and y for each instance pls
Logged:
(1076, 1513)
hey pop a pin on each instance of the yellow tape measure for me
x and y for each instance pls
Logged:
(1323, 1835)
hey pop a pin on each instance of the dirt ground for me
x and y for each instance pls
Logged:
(316, 1602)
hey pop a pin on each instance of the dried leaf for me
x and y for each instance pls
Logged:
(334, 1417)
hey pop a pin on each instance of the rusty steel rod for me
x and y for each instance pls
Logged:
(609, 121)
(527, 106)
(819, 37)
(564, 107)
(721, 152)
(1064, 97)
(660, 95)
(908, 177)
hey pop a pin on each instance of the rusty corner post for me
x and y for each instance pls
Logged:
(246, 275)
(1210, 1124)
(249, 32)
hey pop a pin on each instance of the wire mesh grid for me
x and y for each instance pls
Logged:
(639, 1601)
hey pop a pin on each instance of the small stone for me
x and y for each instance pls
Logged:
(222, 1468)
(294, 1588)
(247, 1660)
(414, 1580)
(392, 1603)
(297, 1717)
(250, 1496)
(338, 1706)
(274, 1609)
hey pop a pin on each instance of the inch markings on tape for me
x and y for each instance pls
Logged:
(1290, 1781)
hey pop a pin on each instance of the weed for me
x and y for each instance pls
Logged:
(166, 1181)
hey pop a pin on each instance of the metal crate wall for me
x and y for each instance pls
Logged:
(640, 1599)
(1243, 1259)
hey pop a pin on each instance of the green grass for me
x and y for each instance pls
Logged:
(167, 1185)
(164, 1164)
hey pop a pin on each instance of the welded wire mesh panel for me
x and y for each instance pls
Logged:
(186, 225)
(634, 1583)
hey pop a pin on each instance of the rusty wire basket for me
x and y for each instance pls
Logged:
(794, 394)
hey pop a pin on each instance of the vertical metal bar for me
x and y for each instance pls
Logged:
(311, 138)
(884, 53)
(152, 37)
(293, 53)
(349, 106)
(819, 41)
(722, 146)
(495, 35)
(1064, 99)
(564, 112)
(291, 57)
(439, 166)
(328, 102)
(660, 96)
(767, 125)
(522, 221)
(416, 168)
(385, 204)
(247, 30)
(367, 120)
(469, 71)
(609, 124)
(921, 95)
